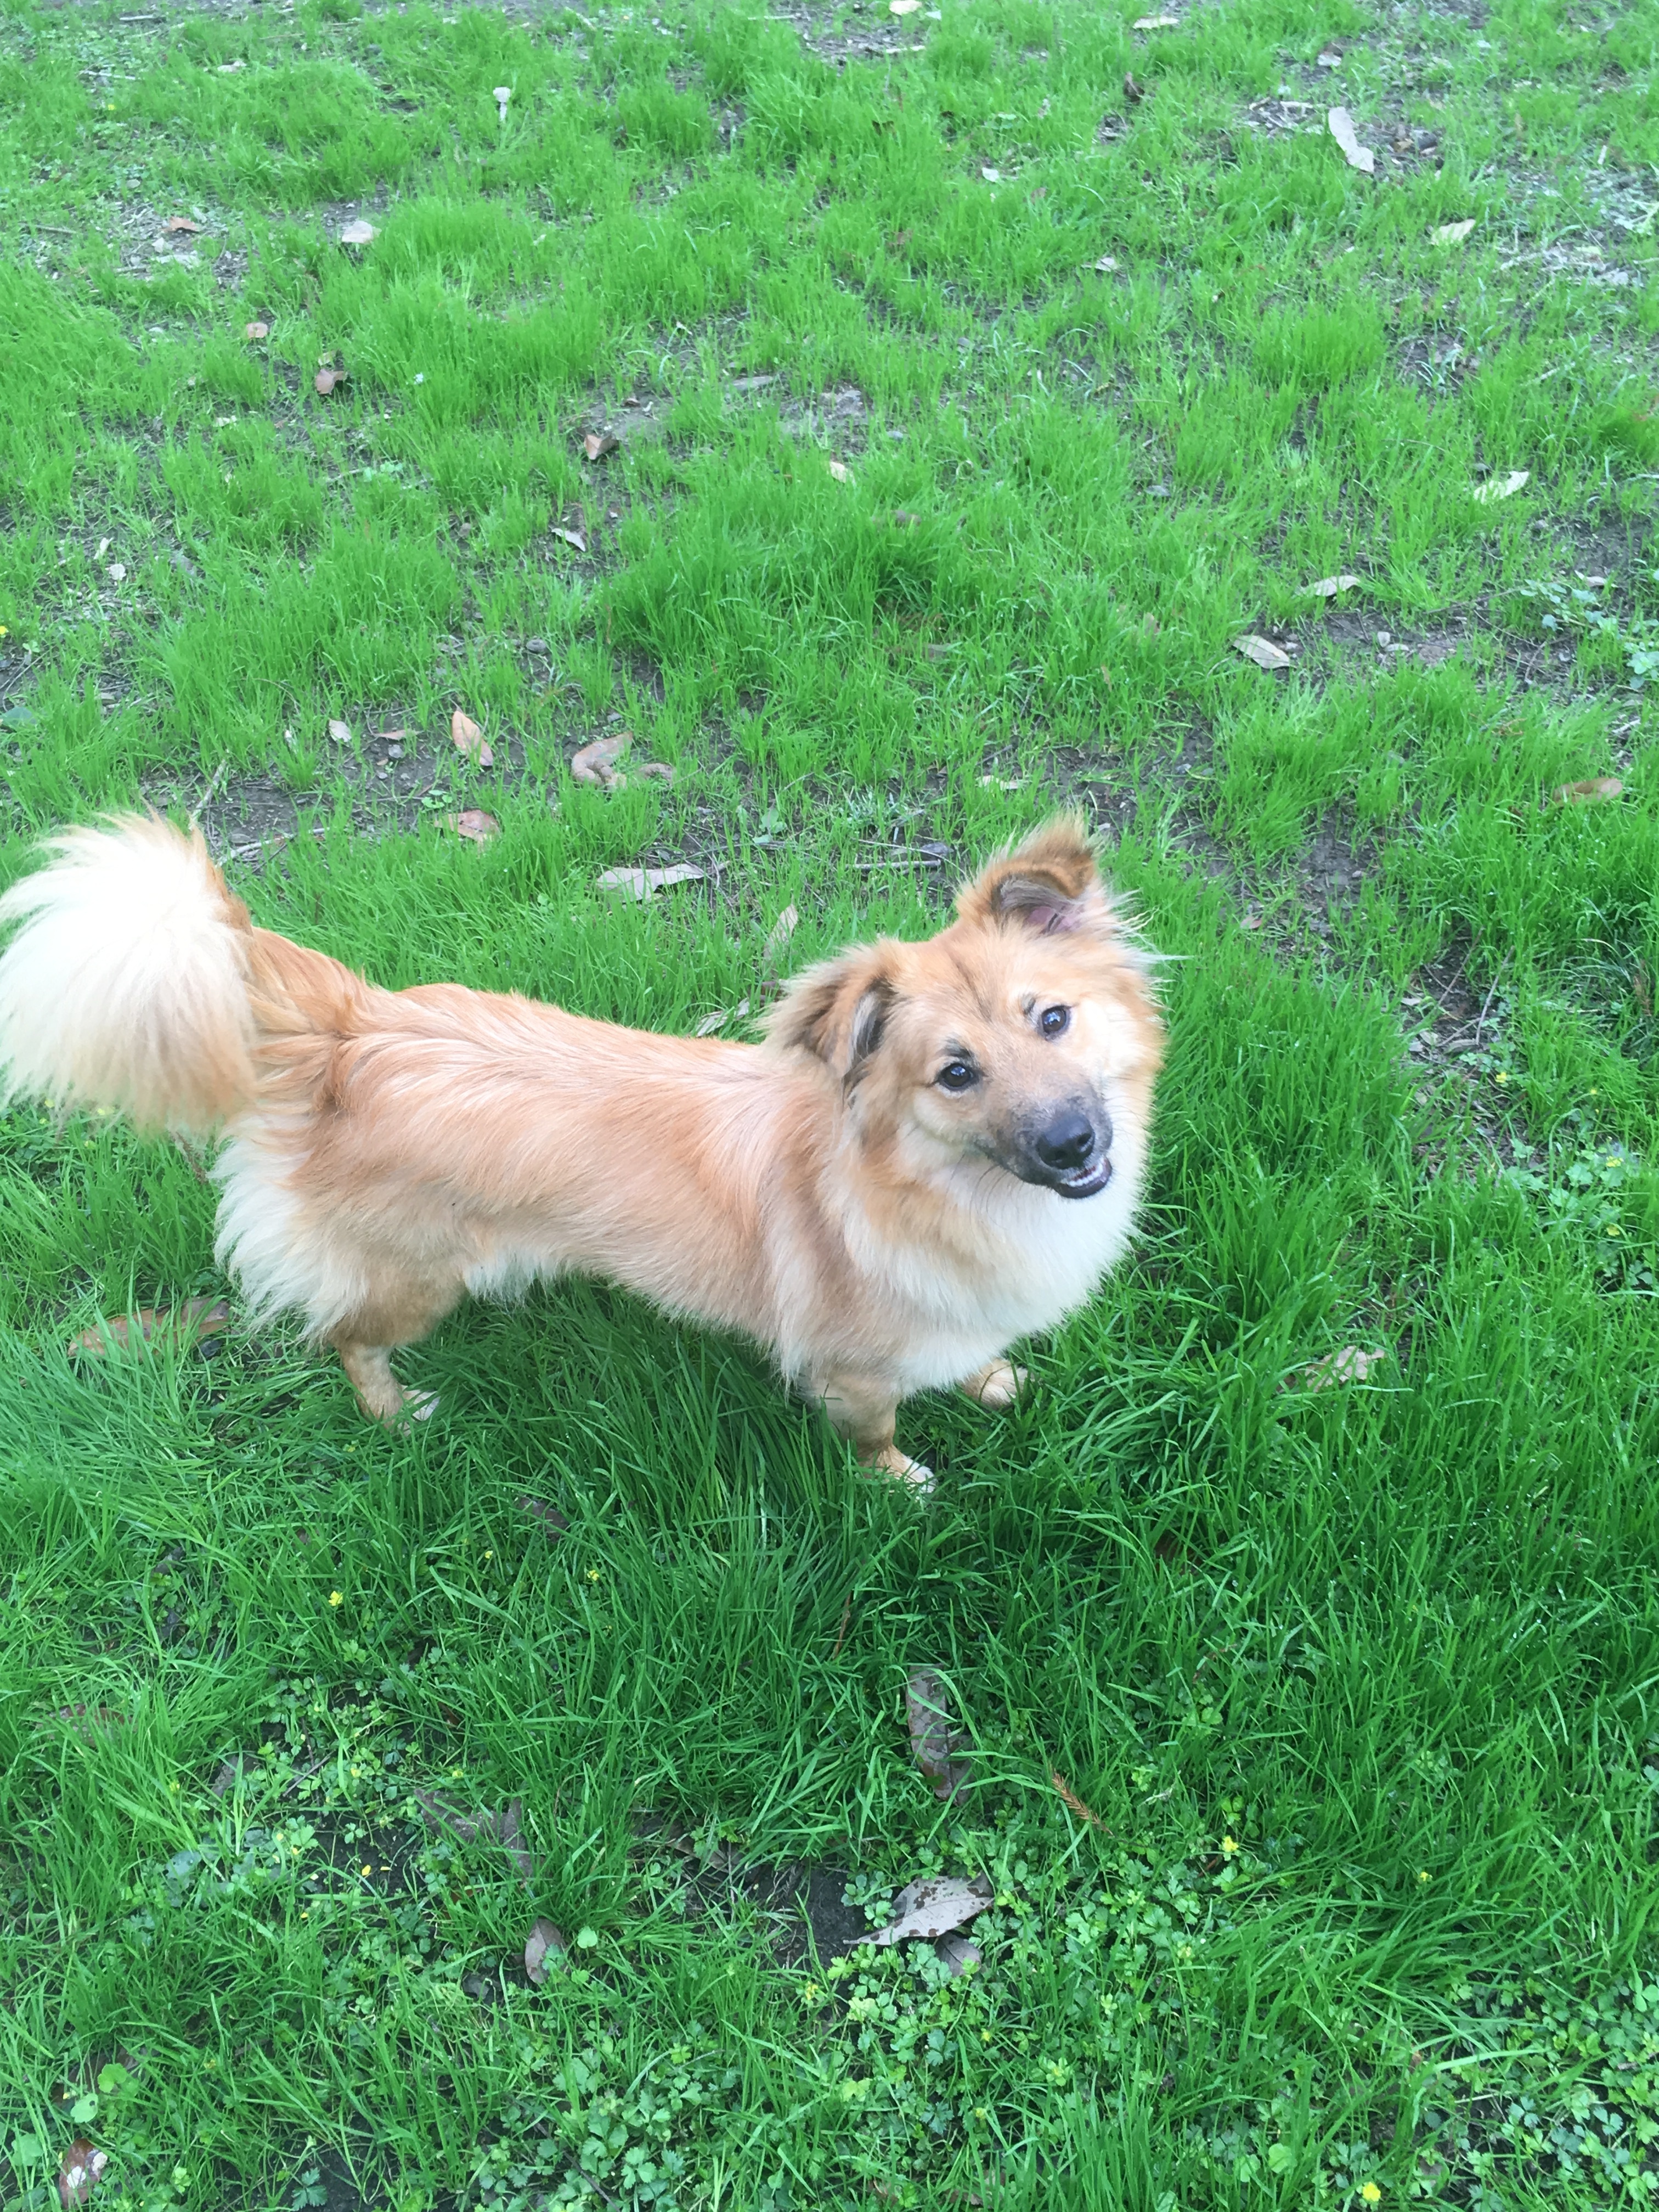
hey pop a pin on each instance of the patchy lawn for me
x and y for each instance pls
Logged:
(979, 377)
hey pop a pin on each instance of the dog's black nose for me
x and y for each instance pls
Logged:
(1067, 1142)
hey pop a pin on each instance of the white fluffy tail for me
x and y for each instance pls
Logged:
(126, 985)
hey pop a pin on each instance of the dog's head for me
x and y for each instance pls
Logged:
(1024, 1036)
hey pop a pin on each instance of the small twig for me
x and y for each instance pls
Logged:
(846, 1615)
(1491, 995)
(206, 800)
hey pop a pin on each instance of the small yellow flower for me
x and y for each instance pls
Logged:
(489, 1555)
(1501, 1077)
(1422, 1873)
(595, 1574)
(5, 632)
(335, 1598)
(1614, 1229)
(368, 1869)
(1229, 1845)
(1371, 2193)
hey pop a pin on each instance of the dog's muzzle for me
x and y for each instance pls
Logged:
(1071, 1152)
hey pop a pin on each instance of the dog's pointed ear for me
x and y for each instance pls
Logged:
(1049, 884)
(838, 1011)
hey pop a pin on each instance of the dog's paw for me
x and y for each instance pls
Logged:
(891, 1461)
(996, 1385)
(417, 1405)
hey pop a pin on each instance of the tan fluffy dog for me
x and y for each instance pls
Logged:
(938, 1149)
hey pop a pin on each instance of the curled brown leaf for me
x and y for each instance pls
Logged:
(196, 1318)
(598, 443)
(80, 2173)
(468, 738)
(1592, 791)
(546, 1941)
(933, 1741)
(596, 763)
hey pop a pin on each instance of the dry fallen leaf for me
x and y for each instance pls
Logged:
(710, 1022)
(358, 234)
(660, 770)
(595, 764)
(80, 2173)
(779, 936)
(117, 572)
(1262, 652)
(932, 1908)
(340, 732)
(1588, 793)
(1453, 234)
(255, 332)
(504, 93)
(992, 176)
(1156, 23)
(539, 1509)
(573, 538)
(327, 379)
(1341, 125)
(1351, 1364)
(467, 738)
(597, 444)
(182, 223)
(196, 1318)
(840, 470)
(85, 1720)
(1328, 58)
(1497, 488)
(1328, 587)
(903, 7)
(1105, 266)
(957, 1953)
(475, 825)
(545, 1941)
(927, 1716)
(1132, 89)
(483, 1827)
(641, 883)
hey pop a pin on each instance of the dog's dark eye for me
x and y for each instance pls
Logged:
(956, 1075)
(1055, 1021)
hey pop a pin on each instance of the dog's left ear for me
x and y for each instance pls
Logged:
(837, 1010)
(1049, 885)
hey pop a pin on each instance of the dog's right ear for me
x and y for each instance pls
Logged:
(837, 1010)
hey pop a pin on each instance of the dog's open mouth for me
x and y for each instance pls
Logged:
(1083, 1183)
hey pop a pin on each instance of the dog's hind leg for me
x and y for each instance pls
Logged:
(995, 1386)
(864, 1413)
(365, 1340)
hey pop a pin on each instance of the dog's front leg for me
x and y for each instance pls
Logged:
(864, 1412)
(382, 1397)
(995, 1385)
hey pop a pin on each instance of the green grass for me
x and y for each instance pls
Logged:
(1361, 1683)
